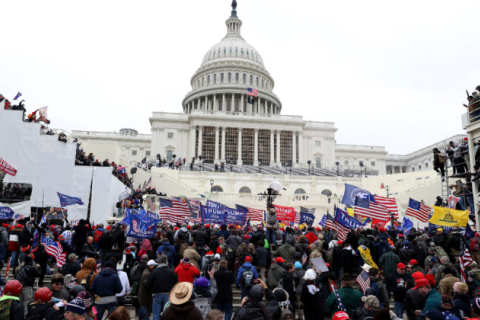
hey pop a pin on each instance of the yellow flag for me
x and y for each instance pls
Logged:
(448, 217)
(367, 257)
(350, 211)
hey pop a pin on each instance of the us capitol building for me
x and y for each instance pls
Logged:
(218, 124)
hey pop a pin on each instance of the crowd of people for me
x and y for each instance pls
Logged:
(188, 271)
(14, 192)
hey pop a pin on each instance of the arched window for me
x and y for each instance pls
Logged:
(217, 189)
(208, 80)
(245, 190)
(327, 192)
(257, 81)
(244, 78)
(262, 83)
(230, 50)
(221, 78)
(251, 80)
(215, 78)
(203, 81)
(300, 191)
(229, 77)
(237, 77)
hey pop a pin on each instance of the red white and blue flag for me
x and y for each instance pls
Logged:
(55, 250)
(418, 210)
(253, 214)
(363, 280)
(389, 203)
(174, 211)
(252, 92)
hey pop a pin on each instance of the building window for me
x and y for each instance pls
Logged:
(147, 153)
(251, 80)
(426, 165)
(203, 81)
(257, 81)
(221, 78)
(318, 162)
(244, 78)
(318, 143)
(327, 192)
(208, 80)
(214, 78)
(230, 50)
(134, 152)
(372, 163)
(170, 135)
(169, 155)
(229, 77)
(217, 189)
(419, 167)
(245, 190)
(300, 191)
(262, 83)
(237, 77)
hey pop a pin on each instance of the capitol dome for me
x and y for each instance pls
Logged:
(227, 70)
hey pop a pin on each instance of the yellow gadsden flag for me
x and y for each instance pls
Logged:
(449, 217)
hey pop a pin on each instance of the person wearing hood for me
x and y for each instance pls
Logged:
(246, 274)
(87, 274)
(365, 255)
(181, 306)
(369, 309)
(205, 292)
(406, 253)
(252, 306)
(186, 271)
(381, 289)
(193, 255)
(146, 248)
(288, 284)
(126, 288)
(161, 281)
(167, 249)
(106, 286)
(275, 273)
(81, 231)
(310, 296)
(439, 202)
(461, 298)
(223, 232)
(10, 300)
(287, 252)
(310, 235)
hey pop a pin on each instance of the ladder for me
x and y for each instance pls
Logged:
(445, 189)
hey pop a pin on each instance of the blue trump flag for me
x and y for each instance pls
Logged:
(407, 224)
(212, 215)
(323, 221)
(307, 218)
(216, 205)
(352, 192)
(140, 227)
(344, 219)
(235, 217)
(68, 200)
(6, 213)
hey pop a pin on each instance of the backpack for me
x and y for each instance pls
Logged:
(22, 275)
(271, 218)
(5, 309)
(97, 235)
(183, 235)
(442, 158)
(203, 304)
(229, 253)
(249, 314)
(247, 278)
(474, 245)
(86, 282)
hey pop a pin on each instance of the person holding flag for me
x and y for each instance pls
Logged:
(347, 297)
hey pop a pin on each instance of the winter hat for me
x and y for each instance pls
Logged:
(280, 294)
(418, 275)
(144, 257)
(219, 250)
(202, 282)
(186, 259)
(433, 315)
(310, 275)
(431, 278)
(86, 297)
(76, 306)
(361, 242)
(371, 301)
(256, 293)
(109, 264)
(209, 254)
(298, 265)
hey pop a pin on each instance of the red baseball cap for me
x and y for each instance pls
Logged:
(318, 229)
(421, 283)
(246, 237)
(279, 259)
(248, 259)
(400, 235)
(431, 278)
(401, 266)
(109, 228)
(341, 315)
(340, 242)
(413, 262)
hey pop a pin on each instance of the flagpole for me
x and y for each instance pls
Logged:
(89, 208)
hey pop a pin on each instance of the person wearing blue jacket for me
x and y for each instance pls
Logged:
(223, 232)
(246, 283)
(167, 249)
(106, 285)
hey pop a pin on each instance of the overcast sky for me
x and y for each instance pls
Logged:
(390, 74)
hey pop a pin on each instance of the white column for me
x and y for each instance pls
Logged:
(216, 144)
(272, 148)
(223, 142)
(255, 152)
(279, 162)
(224, 103)
(294, 148)
(241, 103)
(239, 156)
(259, 108)
(215, 107)
(300, 150)
(232, 103)
(206, 105)
(249, 107)
(192, 144)
(200, 134)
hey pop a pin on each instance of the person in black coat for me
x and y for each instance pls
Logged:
(80, 236)
(289, 284)
(338, 258)
(224, 298)
(406, 253)
(261, 259)
(26, 236)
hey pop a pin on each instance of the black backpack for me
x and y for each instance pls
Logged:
(183, 235)
(251, 313)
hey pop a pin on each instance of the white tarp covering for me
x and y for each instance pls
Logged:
(49, 166)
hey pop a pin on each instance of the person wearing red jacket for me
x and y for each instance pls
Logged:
(186, 271)
(311, 237)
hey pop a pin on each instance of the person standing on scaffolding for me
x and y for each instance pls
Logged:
(439, 160)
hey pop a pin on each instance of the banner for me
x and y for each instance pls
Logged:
(212, 215)
(236, 217)
(323, 221)
(379, 223)
(285, 214)
(452, 201)
(5, 167)
(140, 227)
(407, 224)
(56, 213)
(68, 200)
(124, 194)
(432, 228)
(449, 217)
(194, 208)
(152, 215)
(216, 205)
(352, 192)
(6, 213)
(345, 220)
(307, 218)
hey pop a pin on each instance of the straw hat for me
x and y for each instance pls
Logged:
(181, 293)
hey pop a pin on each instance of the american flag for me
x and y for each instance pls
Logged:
(340, 305)
(307, 210)
(36, 234)
(370, 209)
(297, 217)
(341, 230)
(418, 210)
(252, 92)
(465, 260)
(389, 203)
(363, 280)
(174, 210)
(55, 250)
(151, 205)
(253, 214)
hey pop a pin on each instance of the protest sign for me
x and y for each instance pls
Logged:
(56, 213)
(285, 214)
(307, 218)
(6, 213)
(212, 215)
(235, 217)
(319, 264)
(140, 227)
